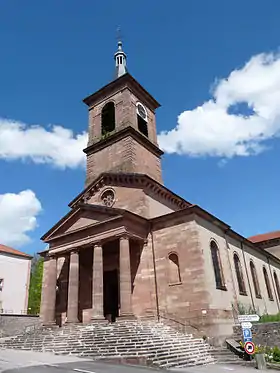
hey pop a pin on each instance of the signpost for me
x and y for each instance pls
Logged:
(246, 325)
(249, 348)
(248, 318)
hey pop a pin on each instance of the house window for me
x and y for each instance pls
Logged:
(108, 118)
(174, 269)
(277, 284)
(216, 261)
(267, 284)
(239, 275)
(255, 279)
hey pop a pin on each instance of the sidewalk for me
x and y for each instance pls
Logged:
(11, 359)
(217, 368)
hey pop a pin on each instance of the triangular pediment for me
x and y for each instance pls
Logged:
(135, 181)
(82, 216)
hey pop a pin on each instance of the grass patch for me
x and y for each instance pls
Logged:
(269, 318)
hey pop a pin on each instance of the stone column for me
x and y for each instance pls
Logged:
(97, 283)
(73, 288)
(49, 291)
(125, 278)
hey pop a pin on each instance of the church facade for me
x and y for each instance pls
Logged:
(131, 248)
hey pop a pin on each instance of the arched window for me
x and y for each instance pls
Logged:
(108, 118)
(142, 119)
(277, 284)
(239, 275)
(255, 279)
(174, 269)
(217, 266)
(267, 284)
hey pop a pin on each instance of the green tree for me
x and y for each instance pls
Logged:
(35, 287)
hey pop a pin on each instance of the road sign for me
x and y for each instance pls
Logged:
(249, 348)
(246, 325)
(247, 334)
(246, 318)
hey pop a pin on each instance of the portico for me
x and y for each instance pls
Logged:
(91, 280)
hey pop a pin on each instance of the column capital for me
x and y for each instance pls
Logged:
(123, 237)
(97, 244)
(52, 256)
(74, 251)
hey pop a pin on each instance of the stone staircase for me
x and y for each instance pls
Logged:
(224, 355)
(155, 343)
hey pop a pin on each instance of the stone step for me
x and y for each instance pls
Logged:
(181, 361)
(155, 347)
(154, 341)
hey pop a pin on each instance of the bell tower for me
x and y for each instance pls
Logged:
(122, 127)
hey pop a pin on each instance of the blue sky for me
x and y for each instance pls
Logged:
(53, 54)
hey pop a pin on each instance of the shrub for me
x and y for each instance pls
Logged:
(276, 354)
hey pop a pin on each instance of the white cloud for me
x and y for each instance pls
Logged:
(210, 130)
(58, 146)
(18, 217)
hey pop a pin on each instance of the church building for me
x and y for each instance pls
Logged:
(131, 248)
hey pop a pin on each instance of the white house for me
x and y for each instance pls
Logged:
(15, 269)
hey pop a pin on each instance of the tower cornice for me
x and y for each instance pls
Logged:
(117, 136)
(124, 81)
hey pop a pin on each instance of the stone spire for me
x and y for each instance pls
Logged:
(120, 58)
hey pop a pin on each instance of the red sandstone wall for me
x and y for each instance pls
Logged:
(130, 199)
(126, 155)
(137, 201)
(143, 284)
(187, 299)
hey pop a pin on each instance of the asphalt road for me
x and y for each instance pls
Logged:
(82, 367)
(12, 361)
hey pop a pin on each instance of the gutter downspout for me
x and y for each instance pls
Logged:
(250, 289)
(155, 275)
(276, 295)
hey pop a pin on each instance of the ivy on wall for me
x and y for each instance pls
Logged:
(35, 287)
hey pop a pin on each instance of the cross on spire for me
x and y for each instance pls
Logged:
(119, 33)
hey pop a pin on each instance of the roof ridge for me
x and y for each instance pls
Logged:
(12, 251)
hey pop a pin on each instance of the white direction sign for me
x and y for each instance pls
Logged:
(246, 325)
(248, 318)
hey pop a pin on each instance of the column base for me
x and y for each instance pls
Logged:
(127, 316)
(98, 319)
(67, 322)
(49, 324)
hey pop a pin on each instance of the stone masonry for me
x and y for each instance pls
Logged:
(155, 343)
(16, 324)
(264, 334)
(129, 248)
